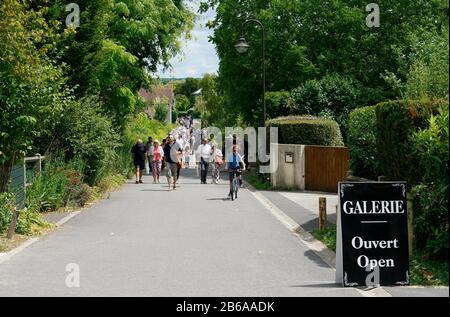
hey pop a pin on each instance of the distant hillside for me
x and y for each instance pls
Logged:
(166, 80)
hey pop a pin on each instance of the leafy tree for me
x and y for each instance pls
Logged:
(31, 86)
(187, 87)
(117, 43)
(212, 100)
(183, 105)
(304, 42)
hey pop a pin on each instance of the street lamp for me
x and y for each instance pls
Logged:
(242, 46)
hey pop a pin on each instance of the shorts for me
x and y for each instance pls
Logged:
(171, 169)
(140, 164)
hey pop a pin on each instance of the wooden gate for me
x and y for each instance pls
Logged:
(325, 166)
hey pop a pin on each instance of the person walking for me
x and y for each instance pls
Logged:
(157, 154)
(138, 154)
(204, 151)
(149, 159)
(171, 158)
(216, 163)
(187, 156)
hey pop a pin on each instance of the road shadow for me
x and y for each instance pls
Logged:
(223, 199)
(311, 255)
(319, 285)
(314, 223)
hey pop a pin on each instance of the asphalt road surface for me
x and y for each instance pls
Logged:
(147, 241)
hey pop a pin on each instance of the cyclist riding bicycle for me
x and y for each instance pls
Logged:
(235, 165)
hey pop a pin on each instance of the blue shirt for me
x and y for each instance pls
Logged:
(234, 160)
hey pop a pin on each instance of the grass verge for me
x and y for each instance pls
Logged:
(254, 179)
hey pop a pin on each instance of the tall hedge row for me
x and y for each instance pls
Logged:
(397, 120)
(307, 130)
(362, 142)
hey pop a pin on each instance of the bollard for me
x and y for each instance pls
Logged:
(409, 207)
(12, 225)
(322, 213)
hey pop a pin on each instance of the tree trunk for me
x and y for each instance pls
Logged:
(5, 173)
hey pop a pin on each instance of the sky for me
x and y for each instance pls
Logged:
(198, 56)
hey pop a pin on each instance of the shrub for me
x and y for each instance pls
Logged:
(362, 142)
(29, 221)
(307, 130)
(6, 210)
(431, 198)
(161, 112)
(396, 121)
(50, 189)
(87, 135)
(82, 195)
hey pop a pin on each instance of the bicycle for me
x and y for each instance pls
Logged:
(235, 184)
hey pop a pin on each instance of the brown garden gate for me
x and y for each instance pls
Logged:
(325, 166)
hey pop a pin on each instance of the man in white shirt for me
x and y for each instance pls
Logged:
(204, 151)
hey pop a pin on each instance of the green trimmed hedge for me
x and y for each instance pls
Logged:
(397, 120)
(307, 130)
(362, 142)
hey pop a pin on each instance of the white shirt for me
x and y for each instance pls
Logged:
(204, 151)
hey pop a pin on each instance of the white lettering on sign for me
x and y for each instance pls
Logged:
(364, 262)
(358, 243)
(374, 207)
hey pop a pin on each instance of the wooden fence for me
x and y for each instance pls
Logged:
(325, 166)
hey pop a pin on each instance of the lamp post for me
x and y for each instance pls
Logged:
(242, 46)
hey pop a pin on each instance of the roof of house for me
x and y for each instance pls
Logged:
(158, 92)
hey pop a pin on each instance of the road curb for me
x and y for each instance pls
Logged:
(8, 255)
(326, 254)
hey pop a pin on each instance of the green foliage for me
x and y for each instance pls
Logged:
(117, 43)
(161, 111)
(279, 104)
(210, 103)
(304, 43)
(362, 142)
(29, 221)
(327, 236)
(6, 210)
(432, 146)
(334, 95)
(139, 127)
(50, 189)
(183, 105)
(396, 122)
(256, 180)
(31, 86)
(428, 71)
(86, 134)
(187, 87)
(431, 198)
(307, 130)
(431, 219)
(428, 272)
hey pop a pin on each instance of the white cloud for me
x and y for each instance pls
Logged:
(198, 56)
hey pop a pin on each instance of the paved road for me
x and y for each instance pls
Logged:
(147, 241)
